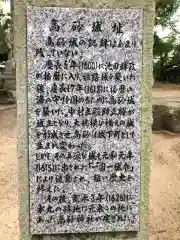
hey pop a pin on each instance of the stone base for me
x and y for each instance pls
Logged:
(166, 117)
(6, 97)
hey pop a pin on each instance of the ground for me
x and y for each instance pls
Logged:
(165, 187)
(8, 176)
(164, 214)
(166, 94)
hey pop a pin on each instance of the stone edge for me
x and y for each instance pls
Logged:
(19, 19)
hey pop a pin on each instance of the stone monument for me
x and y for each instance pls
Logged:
(84, 89)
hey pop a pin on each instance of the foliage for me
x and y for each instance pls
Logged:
(164, 11)
(5, 25)
(166, 51)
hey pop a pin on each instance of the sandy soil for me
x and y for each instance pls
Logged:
(173, 94)
(8, 176)
(166, 86)
(164, 186)
(166, 91)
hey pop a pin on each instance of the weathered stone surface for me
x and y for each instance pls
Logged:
(121, 54)
(158, 115)
(6, 97)
(99, 236)
(9, 67)
(166, 117)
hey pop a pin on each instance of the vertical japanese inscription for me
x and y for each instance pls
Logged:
(84, 71)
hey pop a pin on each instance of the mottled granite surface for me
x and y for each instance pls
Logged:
(123, 47)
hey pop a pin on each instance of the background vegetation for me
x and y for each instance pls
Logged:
(167, 50)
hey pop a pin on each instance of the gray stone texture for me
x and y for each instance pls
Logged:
(39, 20)
(38, 23)
(20, 46)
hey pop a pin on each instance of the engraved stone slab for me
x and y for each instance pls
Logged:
(84, 68)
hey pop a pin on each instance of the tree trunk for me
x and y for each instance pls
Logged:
(162, 69)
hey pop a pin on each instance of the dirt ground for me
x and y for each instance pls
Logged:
(166, 86)
(164, 185)
(8, 176)
(166, 91)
